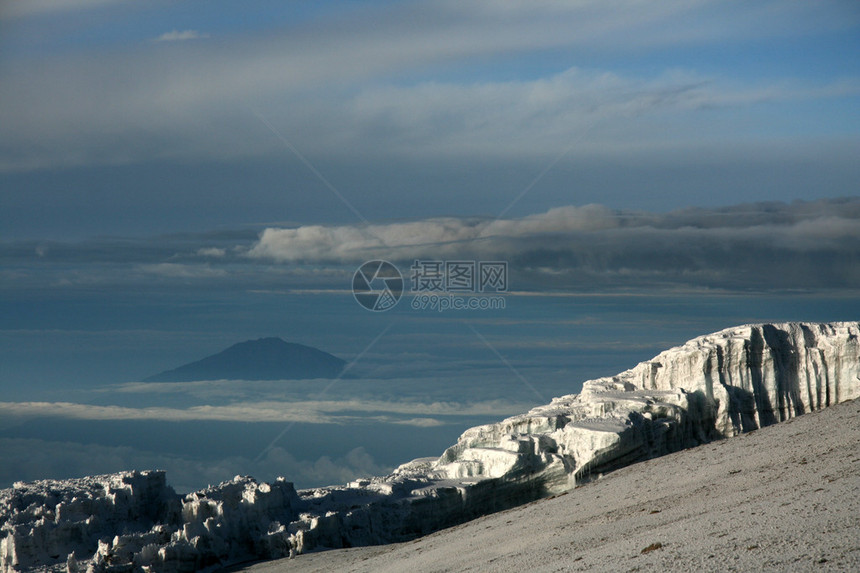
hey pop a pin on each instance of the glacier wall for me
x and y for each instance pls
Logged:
(133, 520)
(712, 387)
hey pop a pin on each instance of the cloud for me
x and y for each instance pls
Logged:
(175, 117)
(761, 246)
(296, 411)
(180, 36)
(421, 422)
(181, 271)
(177, 248)
(808, 245)
(28, 8)
(325, 470)
(180, 259)
(32, 459)
(329, 87)
(594, 109)
(211, 252)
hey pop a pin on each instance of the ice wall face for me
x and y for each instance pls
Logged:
(761, 374)
(712, 387)
(131, 520)
(44, 522)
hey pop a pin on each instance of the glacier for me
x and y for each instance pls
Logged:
(712, 387)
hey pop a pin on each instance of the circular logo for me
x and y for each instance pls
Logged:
(377, 285)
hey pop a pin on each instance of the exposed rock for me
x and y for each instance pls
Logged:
(712, 387)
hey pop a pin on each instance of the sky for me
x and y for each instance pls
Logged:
(176, 177)
(138, 118)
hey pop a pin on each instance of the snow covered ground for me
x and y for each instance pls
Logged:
(782, 498)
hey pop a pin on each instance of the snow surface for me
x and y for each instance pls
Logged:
(712, 387)
(783, 498)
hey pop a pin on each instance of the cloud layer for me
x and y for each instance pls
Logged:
(180, 36)
(759, 246)
(337, 89)
(297, 411)
(27, 459)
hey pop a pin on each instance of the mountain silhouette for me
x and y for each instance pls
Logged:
(261, 359)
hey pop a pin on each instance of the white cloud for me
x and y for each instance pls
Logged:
(182, 271)
(428, 238)
(180, 36)
(805, 244)
(421, 422)
(808, 244)
(559, 228)
(299, 411)
(212, 252)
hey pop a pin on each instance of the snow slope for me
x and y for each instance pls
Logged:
(784, 498)
(712, 387)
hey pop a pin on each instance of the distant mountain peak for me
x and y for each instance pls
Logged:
(269, 358)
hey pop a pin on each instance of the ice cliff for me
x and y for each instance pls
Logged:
(712, 387)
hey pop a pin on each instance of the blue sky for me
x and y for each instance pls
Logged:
(176, 177)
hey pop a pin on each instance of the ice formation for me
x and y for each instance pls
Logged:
(712, 387)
